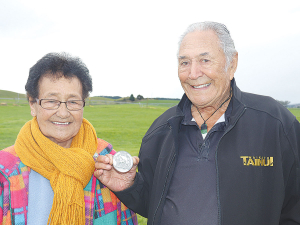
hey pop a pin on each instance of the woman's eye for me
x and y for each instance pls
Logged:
(51, 101)
(73, 102)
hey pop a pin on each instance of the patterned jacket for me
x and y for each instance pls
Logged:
(101, 205)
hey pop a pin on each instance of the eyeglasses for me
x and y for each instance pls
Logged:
(72, 105)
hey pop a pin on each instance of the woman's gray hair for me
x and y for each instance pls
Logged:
(226, 42)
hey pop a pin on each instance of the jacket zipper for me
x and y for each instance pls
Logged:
(165, 184)
(217, 168)
(6, 177)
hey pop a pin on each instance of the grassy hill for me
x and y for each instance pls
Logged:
(102, 98)
(12, 98)
(10, 94)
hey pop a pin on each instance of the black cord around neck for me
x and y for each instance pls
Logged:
(204, 125)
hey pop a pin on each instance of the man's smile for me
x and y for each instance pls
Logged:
(201, 86)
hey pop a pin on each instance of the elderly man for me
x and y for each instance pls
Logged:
(221, 156)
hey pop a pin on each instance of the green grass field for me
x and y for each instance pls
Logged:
(296, 112)
(121, 125)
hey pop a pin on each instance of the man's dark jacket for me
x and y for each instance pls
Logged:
(257, 163)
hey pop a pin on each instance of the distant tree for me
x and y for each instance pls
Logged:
(140, 97)
(284, 103)
(131, 98)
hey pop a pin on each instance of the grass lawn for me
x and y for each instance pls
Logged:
(122, 125)
(296, 112)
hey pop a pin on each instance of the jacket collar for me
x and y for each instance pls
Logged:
(238, 106)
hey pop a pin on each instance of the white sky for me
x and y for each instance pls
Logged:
(130, 46)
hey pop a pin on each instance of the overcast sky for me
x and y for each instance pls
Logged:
(130, 46)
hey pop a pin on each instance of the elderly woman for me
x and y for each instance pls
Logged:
(47, 176)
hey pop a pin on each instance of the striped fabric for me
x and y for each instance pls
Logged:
(14, 179)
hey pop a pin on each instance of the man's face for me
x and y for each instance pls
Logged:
(202, 69)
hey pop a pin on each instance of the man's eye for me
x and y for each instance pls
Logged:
(205, 60)
(184, 63)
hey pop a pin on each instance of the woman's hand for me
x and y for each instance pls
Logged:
(111, 178)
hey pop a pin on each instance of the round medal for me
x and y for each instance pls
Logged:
(122, 161)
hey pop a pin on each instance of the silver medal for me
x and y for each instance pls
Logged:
(122, 161)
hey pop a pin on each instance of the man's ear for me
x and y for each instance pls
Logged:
(233, 65)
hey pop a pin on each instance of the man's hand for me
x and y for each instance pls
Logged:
(110, 177)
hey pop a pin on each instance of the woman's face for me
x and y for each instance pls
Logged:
(59, 125)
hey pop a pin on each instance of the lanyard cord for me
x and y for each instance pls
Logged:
(204, 125)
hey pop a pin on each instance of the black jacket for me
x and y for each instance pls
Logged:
(257, 162)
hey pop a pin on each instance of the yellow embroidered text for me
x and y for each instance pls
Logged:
(257, 161)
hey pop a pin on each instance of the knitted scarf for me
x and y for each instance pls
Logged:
(68, 169)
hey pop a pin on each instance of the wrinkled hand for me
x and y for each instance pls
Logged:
(111, 178)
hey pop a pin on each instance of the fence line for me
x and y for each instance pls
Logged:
(13, 101)
(23, 101)
(141, 104)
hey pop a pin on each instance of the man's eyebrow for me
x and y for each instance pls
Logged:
(201, 54)
(204, 54)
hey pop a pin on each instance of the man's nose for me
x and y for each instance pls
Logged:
(196, 71)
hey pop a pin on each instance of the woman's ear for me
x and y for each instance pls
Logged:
(33, 105)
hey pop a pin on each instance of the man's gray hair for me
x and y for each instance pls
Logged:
(226, 42)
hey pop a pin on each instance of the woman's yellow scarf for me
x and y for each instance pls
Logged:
(68, 169)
